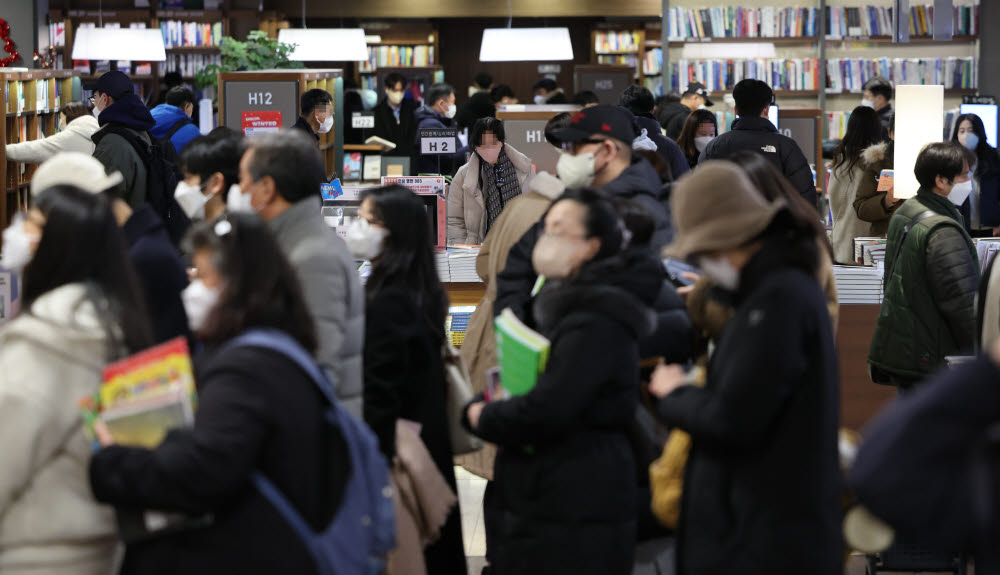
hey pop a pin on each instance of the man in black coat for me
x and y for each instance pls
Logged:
(598, 154)
(437, 113)
(315, 113)
(394, 119)
(755, 133)
(673, 115)
(639, 100)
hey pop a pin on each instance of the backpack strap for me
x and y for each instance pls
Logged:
(902, 239)
(283, 343)
(176, 127)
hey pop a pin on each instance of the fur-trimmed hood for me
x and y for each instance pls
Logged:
(875, 153)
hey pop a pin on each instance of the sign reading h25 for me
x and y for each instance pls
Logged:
(438, 141)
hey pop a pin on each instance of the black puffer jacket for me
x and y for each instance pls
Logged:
(762, 481)
(565, 471)
(666, 147)
(759, 135)
(672, 119)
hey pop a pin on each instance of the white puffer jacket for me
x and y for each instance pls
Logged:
(49, 359)
(74, 138)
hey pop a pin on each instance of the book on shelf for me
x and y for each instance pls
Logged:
(850, 74)
(780, 73)
(398, 56)
(613, 41)
(868, 21)
(144, 396)
(522, 353)
(740, 22)
(178, 34)
(57, 34)
(189, 64)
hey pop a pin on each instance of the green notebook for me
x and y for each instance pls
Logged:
(522, 353)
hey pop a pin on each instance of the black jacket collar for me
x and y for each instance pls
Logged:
(303, 125)
(939, 204)
(752, 124)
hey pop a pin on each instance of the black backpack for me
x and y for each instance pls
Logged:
(162, 175)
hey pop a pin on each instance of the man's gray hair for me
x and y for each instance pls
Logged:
(292, 160)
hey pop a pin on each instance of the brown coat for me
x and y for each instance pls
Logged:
(868, 202)
(466, 211)
(479, 349)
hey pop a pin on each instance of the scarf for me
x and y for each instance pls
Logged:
(499, 185)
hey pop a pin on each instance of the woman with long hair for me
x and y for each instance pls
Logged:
(81, 308)
(874, 206)
(405, 314)
(982, 210)
(763, 467)
(700, 127)
(258, 411)
(847, 174)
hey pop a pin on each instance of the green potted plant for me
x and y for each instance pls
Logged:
(259, 52)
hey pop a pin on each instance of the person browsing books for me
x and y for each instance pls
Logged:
(846, 177)
(404, 331)
(565, 472)
(81, 309)
(257, 411)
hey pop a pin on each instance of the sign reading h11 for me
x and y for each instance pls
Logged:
(438, 141)
(363, 120)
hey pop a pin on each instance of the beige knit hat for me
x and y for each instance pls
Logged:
(73, 169)
(717, 207)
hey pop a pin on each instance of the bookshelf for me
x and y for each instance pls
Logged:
(32, 101)
(393, 45)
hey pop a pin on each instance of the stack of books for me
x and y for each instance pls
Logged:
(441, 259)
(869, 251)
(985, 248)
(858, 284)
(457, 323)
(462, 264)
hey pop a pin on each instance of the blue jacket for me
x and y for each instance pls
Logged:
(166, 116)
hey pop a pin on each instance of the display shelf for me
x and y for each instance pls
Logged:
(919, 40)
(780, 41)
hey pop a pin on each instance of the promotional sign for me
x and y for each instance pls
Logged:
(256, 96)
(255, 123)
(420, 185)
(438, 141)
(331, 191)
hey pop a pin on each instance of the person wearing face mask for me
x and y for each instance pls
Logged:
(763, 463)
(211, 175)
(495, 175)
(279, 179)
(156, 261)
(404, 331)
(315, 113)
(672, 116)
(931, 274)
(597, 152)
(394, 119)
(876, 94)
(81, 308)
(437, 113)
(173, 118)
(870, 204)
(700, 128)
(640, 102)
(258, 411)
(847, 176)
(121, 115)
(76, 126)
(565, 472)
(982, 210)
(548, 93)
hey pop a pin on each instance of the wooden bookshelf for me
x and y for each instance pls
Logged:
(33, 100)
(403, 37)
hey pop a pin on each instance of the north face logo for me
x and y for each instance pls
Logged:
(769, 149)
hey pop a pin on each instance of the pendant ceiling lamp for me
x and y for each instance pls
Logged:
(326, 44)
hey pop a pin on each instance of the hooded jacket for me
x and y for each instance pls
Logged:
(466, 203)
(565, 473)
(166, 117)
(117, 154)
(869, 202)
(75, 137)
(50, 357)
(666, 147)
(759, 135)
(332, 291)
(429, 119)
(763, 469)
(672, 119)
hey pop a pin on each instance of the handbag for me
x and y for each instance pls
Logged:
(458, 394)
(666, 478)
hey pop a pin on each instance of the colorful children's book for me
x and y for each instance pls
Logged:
(522, 353)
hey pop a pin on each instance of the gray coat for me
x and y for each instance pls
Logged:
(118, 155)
(332, 291)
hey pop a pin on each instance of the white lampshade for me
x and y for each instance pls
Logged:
(326, 44)
(525, 45)
(139, 44)
(710, 50)
(919, 121)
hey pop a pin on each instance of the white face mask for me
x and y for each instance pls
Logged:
(540, 99)
(721, 272)
(553, 257)
(971, 141)
(960, 192)
(452, 110)
(191, 200)
(237, 202)
(326, 125)
(199, 300)
(395, 97)
(701, 143)
(95, 112)
(576, 171)
(17, 245)
(364, 241)
(868, 104)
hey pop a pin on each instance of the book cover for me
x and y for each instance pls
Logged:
(522, 353)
